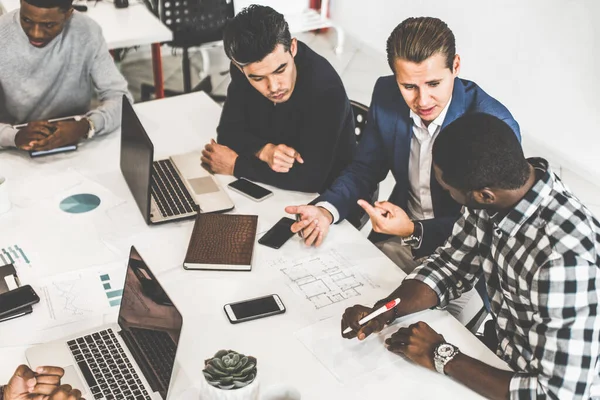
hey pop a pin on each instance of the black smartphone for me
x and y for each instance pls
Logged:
(64, 149)
(16, 299)
(278, 234)
(259, 307)
(17, 313)
(250, 189)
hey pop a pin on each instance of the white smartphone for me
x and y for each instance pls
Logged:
(259, 307)
(250, 189)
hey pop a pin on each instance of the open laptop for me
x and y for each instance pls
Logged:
(132, 359)
(166, 190)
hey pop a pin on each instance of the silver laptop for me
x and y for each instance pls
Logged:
(166, 190)
(132, 359)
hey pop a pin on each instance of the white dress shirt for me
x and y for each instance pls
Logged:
(420, 205)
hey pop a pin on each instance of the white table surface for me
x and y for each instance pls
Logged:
(123, 27)
(185, 123)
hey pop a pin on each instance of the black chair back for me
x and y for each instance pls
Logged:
(195, 22)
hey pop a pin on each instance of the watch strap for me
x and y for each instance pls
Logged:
(92, 130)
(414, 240)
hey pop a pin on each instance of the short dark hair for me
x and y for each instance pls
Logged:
(417, 39)
(254, 33)
(479, 150)
(64, 5)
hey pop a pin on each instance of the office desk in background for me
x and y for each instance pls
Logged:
(280, 343)
(125, 27)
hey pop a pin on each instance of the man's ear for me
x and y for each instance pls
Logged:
(69, 13)
(485, 196)
(294, 47)
(456, 65)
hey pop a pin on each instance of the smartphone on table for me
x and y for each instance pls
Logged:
(278, 234)
(258, 307)
(64, 149)
(250, 189)
(14, 301)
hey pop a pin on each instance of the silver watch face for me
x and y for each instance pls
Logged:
(445, 350)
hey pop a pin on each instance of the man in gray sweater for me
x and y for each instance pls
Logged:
(51, 61)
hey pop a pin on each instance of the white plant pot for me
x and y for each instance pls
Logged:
(250, 392)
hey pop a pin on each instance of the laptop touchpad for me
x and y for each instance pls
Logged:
(203, 185)
(72, 378)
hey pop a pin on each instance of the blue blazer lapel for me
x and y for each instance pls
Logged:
(458, 105)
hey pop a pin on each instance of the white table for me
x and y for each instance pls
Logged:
(125, 27)
(185, 123)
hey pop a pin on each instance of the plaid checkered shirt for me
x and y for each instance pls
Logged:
(541, 266)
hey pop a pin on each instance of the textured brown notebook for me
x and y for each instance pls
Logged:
(222, 242)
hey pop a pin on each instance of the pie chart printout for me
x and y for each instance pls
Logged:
(80, 203)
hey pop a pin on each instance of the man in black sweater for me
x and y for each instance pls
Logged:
(287, 121)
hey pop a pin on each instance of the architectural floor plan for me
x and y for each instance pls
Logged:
(323, 279)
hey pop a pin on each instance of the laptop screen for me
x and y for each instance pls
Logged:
(150, 323)
(137, 154)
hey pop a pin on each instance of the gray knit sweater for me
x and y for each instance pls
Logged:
(57, 80)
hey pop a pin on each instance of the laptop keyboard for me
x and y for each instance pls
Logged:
(160, 351)
(169, 191)
(106, 368)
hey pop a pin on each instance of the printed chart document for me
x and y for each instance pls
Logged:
(78, 296)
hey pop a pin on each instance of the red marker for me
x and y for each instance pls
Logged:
(386, 307)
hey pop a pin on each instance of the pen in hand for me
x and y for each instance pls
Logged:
(386, 307)
(298, 219)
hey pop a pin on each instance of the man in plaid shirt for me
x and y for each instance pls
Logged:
(536, 246)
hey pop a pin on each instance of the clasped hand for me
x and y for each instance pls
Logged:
(43, 384)
(44, 135)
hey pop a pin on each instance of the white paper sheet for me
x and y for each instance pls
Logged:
(347, 359)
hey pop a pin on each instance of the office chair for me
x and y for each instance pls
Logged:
(358, 217)
(194, 23)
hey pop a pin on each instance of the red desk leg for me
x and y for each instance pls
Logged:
(159, 88)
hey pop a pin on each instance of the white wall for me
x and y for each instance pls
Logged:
(540, 58)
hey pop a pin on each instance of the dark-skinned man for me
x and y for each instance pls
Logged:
(52, 62)
(537, 247)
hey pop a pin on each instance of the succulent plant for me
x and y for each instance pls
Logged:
(230, 370)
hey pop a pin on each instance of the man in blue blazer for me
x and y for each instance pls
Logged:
(407, 111)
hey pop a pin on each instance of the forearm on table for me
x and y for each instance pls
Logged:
(414, 296)
(490, 382)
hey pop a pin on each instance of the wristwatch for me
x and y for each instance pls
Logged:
(414, 240)
(443, 353)
(92, 130)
